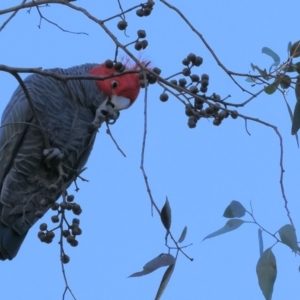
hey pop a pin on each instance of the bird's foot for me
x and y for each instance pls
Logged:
(53, 157)
(104, 113)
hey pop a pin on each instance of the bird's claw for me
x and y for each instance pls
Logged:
(104, 113)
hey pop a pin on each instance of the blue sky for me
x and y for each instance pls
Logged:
(201, 170)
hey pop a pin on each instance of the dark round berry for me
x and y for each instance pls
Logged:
(195, 78)
(202, 112)
(119, 67)
(147, 11)
(70, 198)
(54, 206)
(144, 44)
(43, 226)
(217, 107)
(203, 89)
(173, 81)
(189, 110)
(63, 205)
(41, 233)
(70, 238)
(65, 259)
(42, 236)
(66, 233)
(193, 89)
(74, 243)
(163, 97)
(109, 64)
(204, 77)
(141, 34)
(50, 235)
(77, 212)
(186, 71)
(55, 219)
(217, 121)
(185, 62)
(39, 213)
(156, 70)
(76, 221)
(140, 12)
(234, 114)
(122, 25)
(77, 231)
(204, 83)
(217, 97)
(191, 57)
(192, 122)
(222, 114)
(182, 82)
(198, 61)
(151, 78)
(209, 110)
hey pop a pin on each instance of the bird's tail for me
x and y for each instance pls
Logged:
(10, 241)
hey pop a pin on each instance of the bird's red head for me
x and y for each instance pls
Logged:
(123, 89)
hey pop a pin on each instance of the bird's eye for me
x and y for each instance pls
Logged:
(114, 84)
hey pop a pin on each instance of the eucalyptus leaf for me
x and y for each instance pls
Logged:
(274, 55)
(271, 88)
(165, 215)
(165, 280)
(295, 50)
(234, 210)
(266, 270)
(229, 226)
(263, 73)
(183, 235)
(161, 260)
(288, 236)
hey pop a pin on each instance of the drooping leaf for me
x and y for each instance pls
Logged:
(296, 118)
(295, 50)
(288, 236)
(260, 242)
(161, 260)
(266, 270)
(274, 55)
(292, 117)
(229, 226)
(165, 281)
(165, 215)
(234, 210)
(183, 235)
(263, 73)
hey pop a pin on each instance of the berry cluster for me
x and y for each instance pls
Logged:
(146, 9)
(45, 235)
(203, 106)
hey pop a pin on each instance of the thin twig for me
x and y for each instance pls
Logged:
(11, 16)
(115, 142)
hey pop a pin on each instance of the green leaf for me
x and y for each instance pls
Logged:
(271, 88)
(234, 210)
(183, 235)
(161, 260)
(288, 236)
(229, 226)
(263, 73)
(164, 281)
(266, 270)
(165, 215)
(295, 50)
(274, 55)
(296, 67)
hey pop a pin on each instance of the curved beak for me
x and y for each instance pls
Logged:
(119, 102)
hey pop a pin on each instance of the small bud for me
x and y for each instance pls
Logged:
(173, 81)
(234, 114)
(204, 82)
(203, 89)
(192, 121)
(65, 233)
(39, 213)
(198, 61)
(119, 67)
(76, 221)
(44, 202)
(70, 198)
(185, 62)
(191, 57)
(195, 78)
(138, 46)
(193, 89)
(182, 82)
(54, 206)
(140, 12)
(189, 110)
(50, 234)
(144, 44)
(204, 77)
(147, 11)
(186, 72)
(156, 70)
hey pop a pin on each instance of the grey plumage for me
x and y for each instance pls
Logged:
(25, 176)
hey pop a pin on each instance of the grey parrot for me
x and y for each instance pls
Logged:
(70, 114)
